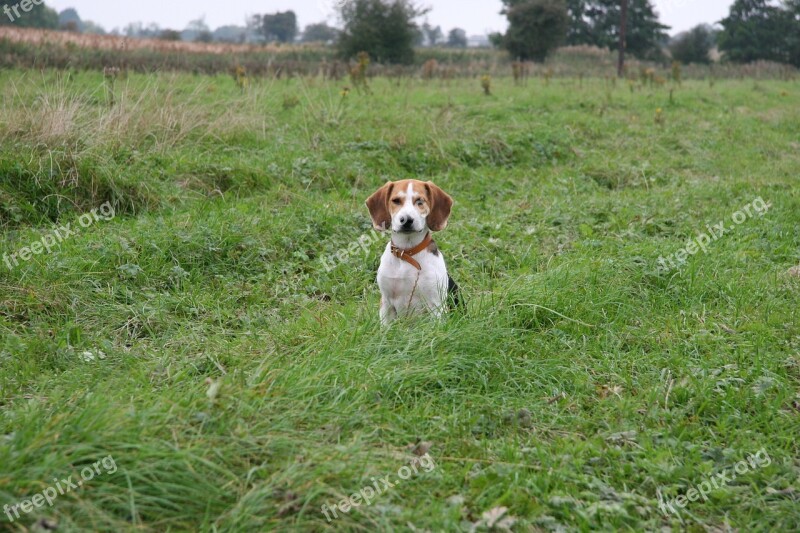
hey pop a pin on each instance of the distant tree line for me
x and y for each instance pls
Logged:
(753, 30)
(428, 35)
(387, 30)
(536, 27)
(757, 29)
(695, 45)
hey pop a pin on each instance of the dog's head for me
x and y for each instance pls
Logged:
(410, 206)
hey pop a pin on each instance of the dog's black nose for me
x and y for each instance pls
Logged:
(405, 221)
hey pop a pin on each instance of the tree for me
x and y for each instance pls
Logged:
(419, 37)
(140, 31)
(230, 33)
(496, 39)
(93, 28)
(170, 35)
(622, 43)
(755, 30)
(646, 36)
(433, 35)
(253, 29)
(319, 33)
(196, 30)
(281, 26)
(693, 46)
(581, 28)
(198, 25)
(203, 37)
(385, 29)
(793, 6)
(536, 27)
(457, 38)
(40, 16)
(597, 23)
(70, 20)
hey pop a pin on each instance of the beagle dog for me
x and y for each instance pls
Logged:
(412, 276)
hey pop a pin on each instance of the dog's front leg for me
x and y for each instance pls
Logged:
(388, 312)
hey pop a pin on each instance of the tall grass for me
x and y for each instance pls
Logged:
(242, 385)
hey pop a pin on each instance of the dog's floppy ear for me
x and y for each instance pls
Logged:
(378, 205)
(441, 203)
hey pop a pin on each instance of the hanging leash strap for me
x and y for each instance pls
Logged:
(408, 255)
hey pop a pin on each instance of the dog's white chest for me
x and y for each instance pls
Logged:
(405, 290)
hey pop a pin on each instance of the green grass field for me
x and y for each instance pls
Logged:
(198, 343)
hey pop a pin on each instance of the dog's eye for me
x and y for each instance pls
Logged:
(396, 201)
(420, 202)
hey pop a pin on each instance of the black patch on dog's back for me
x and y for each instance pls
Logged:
(454, 295)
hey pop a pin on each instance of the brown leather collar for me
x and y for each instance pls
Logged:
(408, 255)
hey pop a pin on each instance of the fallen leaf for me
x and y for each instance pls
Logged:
(604, 391)
(624, 437)
(557, 397)
(213, 388)
(456, 500)
(421, 448)
(726, 329)
(291, 505)
(45, 524)
(496, 518)
(790, 492)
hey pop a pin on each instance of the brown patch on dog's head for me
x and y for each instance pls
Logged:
(441, 204)
(378, 205)
(431, 203)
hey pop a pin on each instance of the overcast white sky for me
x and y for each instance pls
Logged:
(475, 16)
